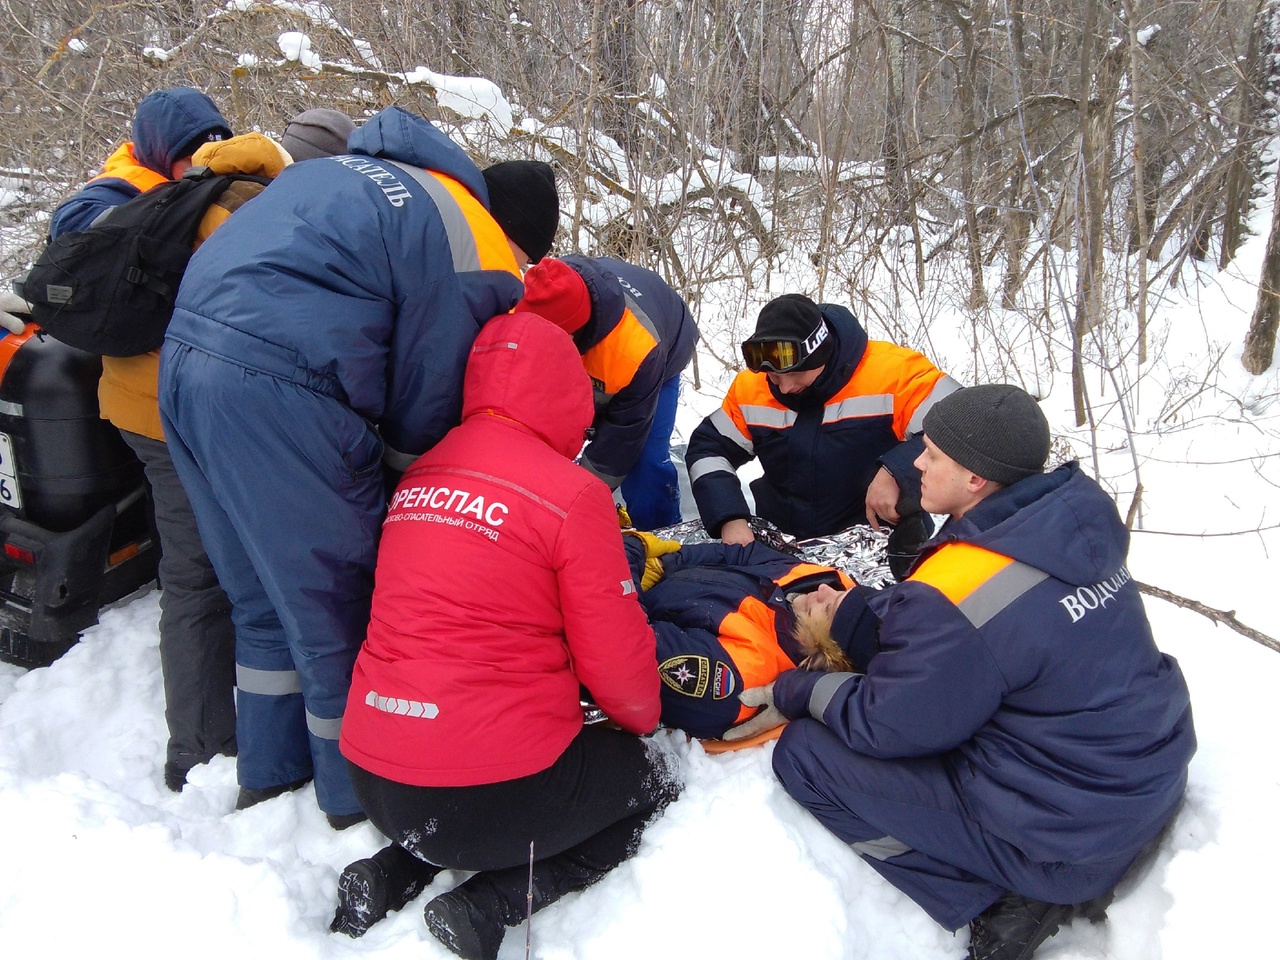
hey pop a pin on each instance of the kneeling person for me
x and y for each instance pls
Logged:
(1010, 748)
(502, 588)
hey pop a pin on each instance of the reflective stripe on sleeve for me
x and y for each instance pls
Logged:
(824, 690)
(611, 481)
(729, 430)
(708, 465)
(943, 388)
(768, 417)
(1001, 590)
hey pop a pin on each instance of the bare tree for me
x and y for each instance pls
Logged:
(1260, 342)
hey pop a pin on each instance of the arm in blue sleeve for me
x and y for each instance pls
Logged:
(432, 335)
(723, 555)
(930, 688)
(713, 458)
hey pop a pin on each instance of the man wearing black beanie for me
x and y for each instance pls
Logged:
(827, 411)
(524, 202)
(1016, 738)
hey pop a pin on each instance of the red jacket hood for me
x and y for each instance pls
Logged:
(526, 369)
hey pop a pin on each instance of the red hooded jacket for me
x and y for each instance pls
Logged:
(501, 585)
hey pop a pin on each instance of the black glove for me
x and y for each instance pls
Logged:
(910, 534)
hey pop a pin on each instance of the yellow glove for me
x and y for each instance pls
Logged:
(654, 548)
(624, 518)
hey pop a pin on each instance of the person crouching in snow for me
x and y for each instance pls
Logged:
(501, 589)
(1017, 740)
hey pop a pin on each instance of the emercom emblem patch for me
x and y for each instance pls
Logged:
(693, 676)
(686, 674)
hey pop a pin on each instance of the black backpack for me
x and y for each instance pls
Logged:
(110, 289)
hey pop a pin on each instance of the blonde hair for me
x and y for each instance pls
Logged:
(821, 653)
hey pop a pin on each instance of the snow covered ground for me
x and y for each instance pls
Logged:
(95, 854)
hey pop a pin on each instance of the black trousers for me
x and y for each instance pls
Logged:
(197, 638)
(584, 815)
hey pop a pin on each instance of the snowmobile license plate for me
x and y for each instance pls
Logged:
(10, 494)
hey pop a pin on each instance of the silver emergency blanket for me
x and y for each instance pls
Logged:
(858, 551)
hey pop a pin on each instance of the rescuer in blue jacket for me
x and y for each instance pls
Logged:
(635, 335)
(1017, 738)
(323, 330)
(834, 419)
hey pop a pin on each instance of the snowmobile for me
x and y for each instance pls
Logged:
(76, 516)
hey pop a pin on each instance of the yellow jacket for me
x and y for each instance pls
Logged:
(127, 390)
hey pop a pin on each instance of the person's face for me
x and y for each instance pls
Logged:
(180, 166)
(797, 382)
(821, 603)
(945, 486)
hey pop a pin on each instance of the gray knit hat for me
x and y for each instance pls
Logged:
(317, 133)
(996, 430)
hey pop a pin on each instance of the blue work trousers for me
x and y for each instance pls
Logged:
(652, 488)
(287, 488)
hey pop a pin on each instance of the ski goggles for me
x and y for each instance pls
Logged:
(782, 354)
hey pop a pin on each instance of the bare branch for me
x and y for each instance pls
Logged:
(1227, 617)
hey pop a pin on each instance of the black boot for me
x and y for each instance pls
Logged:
(471, 920)
(250, 796)
(175, 776)
(1013, 926)
(369, 889)
(1095, 910)
(341, 821)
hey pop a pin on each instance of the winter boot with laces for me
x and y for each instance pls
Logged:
(369, 889)
(471, 920)
(1014, 926)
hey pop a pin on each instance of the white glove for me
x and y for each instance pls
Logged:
(14, 312)
(766, 719)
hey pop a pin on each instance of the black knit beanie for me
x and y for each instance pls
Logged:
(995, 430)
(793, 316)
(524, 202)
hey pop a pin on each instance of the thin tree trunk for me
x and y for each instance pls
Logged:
(1139, 181)
(1260, 341)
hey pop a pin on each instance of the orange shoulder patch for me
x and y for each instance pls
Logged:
(958, 569)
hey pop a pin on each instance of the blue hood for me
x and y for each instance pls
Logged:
(397, 134)
(1061, 522)
(168, 120)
